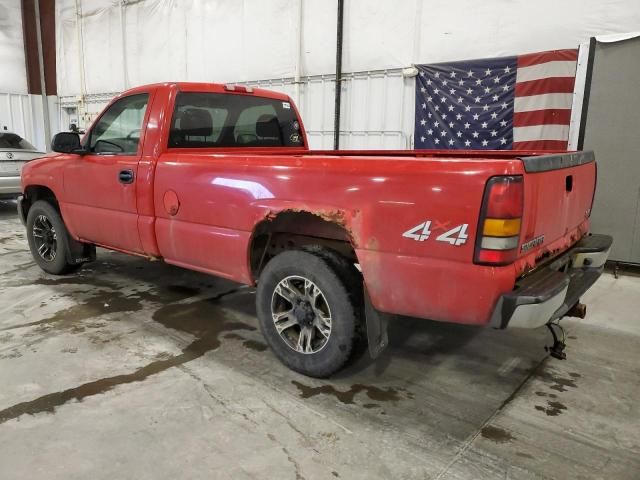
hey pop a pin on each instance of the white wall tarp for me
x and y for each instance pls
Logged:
(171, 40)
(13, 76)
(471, 29)
(123, 43)
(131, 42)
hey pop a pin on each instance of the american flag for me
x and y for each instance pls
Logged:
(519, 102)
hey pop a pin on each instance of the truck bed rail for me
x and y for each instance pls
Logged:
(556, 161)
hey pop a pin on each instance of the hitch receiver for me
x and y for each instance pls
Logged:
(579, 310)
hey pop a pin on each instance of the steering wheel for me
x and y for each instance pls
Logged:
(132, 132)
(96, 149)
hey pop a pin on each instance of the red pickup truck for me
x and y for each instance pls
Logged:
(219, 179)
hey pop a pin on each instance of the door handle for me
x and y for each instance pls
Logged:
(125, 176)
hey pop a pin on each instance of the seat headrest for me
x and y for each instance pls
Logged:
(196, 122)
(268, 126)
(246, 138)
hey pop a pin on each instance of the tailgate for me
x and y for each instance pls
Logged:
(559, 193)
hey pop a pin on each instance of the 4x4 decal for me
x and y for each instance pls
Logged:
(455, 236)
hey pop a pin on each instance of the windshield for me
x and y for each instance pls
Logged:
(202, 120)
(14, 142)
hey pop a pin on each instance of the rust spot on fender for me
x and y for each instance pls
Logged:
(334, 216)
(349, 220)
(270, 215)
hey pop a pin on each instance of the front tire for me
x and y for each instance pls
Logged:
(48, 239)
(306, 311)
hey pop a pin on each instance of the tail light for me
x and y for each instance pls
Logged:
(498, 234)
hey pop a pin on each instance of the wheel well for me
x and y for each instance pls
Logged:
(33, 193)
(290, 230)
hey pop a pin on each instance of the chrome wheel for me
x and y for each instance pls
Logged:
(301, 314)
(45, 239)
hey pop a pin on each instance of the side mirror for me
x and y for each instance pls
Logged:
(66, 142)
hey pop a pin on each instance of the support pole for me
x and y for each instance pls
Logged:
(587, 93)
(336, 116)
(298, 60)
(81, 103)
(123, 40)
(45, 102)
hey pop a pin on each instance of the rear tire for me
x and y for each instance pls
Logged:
(307, 311)
(48, 239)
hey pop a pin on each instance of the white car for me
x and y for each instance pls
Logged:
(15, 151)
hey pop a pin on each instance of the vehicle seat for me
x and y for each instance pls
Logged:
(176, 137)
(246, 139)
(191, 128)
(268, 131)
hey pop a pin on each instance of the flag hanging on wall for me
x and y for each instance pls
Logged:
(520, 103)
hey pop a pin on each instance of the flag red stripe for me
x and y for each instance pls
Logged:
(542, 117)
(550, 56)
(540, 87)
(545, 85)
(541, 145)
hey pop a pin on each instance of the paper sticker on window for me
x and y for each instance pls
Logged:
(286, 105)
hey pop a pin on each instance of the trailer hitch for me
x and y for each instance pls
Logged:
(557, 349)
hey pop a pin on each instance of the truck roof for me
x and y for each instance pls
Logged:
(206, 87)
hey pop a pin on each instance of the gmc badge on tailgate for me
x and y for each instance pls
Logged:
(532, 243)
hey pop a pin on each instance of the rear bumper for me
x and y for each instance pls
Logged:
(10, 186)
(549, 293)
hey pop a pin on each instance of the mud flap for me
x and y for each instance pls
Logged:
(78, 252)
(377, 336)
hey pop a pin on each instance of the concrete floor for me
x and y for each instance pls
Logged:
(131, 369)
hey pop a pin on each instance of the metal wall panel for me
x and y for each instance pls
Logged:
(612, 131)
(377, 108)
(23, 114)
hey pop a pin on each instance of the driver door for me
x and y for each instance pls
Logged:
(100, 186)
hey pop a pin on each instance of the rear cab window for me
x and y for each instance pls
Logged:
(209, 120)
(15, 142)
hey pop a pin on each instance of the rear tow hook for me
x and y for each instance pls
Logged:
(557, 349)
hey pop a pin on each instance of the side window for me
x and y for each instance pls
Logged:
(118, 129)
